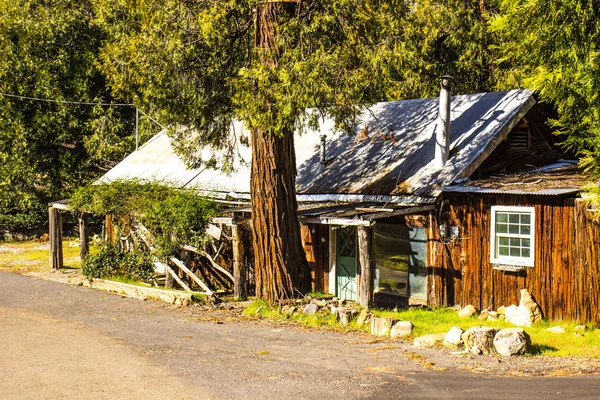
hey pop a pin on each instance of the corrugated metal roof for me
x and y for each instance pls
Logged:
(392, 153)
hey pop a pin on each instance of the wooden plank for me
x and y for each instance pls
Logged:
(193, 276)
(404, 211)
(336, 221)
(84, 235)
(172, 273)
(214, 231)
(365, 295)
(213, 263)
(55, 237)
(240, 280)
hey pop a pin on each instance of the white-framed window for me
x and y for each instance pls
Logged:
(513, 236)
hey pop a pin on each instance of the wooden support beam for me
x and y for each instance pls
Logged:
(193, 276)
(173, 275)
(211, 260)
(240, 281)
(365, 291)
(84, 235)
(403, 211)
(55, 234)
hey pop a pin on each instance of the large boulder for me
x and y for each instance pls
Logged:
(310, 309)
(430, 340)
(382, 326)
(401, 329)
(511, 342)
(467, 311)
(453, 337)
(480, 339)
(527, 313)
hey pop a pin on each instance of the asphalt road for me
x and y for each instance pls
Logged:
(65, 342)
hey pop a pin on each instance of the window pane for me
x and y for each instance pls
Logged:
(526, 243)
(513, 218)
(503, 251)
(513, 229)
(515, 242)
(515, 252)
(502, 228)
(525, 230)
(525, 252)
(503, 241)
(525, 219)
(501, 217)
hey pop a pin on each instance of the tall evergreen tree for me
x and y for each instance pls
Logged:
(203, 63)
(49, 50)
(553, 47)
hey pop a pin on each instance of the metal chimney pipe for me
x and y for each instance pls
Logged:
(323, 149)
(442, 135)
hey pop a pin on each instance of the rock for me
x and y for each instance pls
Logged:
(320, 303)
(453, 337)
(363, 317)
(577, 334)
(483, 315)
(480, 339)
(430, 340)
(401, 329)
(382, 326)
(511, 342)
(467, 312)
(501, 310)
(527, 313)
(285, 309)
(310, 309)
(345, 315)
(492, 314)
(291, 310)
(334, 309)
(580, 328)
(556, 329)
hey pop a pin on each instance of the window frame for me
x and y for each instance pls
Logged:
(512, 260)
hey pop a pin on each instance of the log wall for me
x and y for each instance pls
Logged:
(565, 280)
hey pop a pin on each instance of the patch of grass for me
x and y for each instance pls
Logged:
(440, 320)
(34, 256)
(323, 318)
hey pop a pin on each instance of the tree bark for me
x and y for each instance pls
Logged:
(365, 295)
(280, 265)
(55, 233)
(279, 259)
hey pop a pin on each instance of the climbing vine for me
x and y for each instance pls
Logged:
(170, 217)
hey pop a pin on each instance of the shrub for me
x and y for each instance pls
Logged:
(110, 262)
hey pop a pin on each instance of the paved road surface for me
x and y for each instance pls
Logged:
(64, 342)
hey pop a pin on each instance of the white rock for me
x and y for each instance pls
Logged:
(580, 328)
(429, 340)
(467, 312)
(511, 342)
(453, 337)
(310, 309)
(401, 329)
(556, 329)
(382, 326)
(479, 339)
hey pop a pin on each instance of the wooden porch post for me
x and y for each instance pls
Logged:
(240, 281)
(55, 236)
(365, 294)
(84, 235)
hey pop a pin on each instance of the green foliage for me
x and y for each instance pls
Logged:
(111, 262)
(49, 50)
(553, 48)
(174, 217)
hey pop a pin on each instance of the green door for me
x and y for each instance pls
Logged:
(346, 285)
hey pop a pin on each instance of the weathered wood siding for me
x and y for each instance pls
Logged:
(565, 280)
(315, 240)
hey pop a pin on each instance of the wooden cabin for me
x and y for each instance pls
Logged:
(427, 206)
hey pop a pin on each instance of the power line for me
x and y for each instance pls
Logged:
(86, 103)
(82, 103)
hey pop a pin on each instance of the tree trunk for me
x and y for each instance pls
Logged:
(279, 259)
(280, 265)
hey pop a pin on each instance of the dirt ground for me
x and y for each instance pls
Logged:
(65, 341)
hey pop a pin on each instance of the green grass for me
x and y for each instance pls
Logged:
(440, 320)
(34, 256)
(321, 319)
